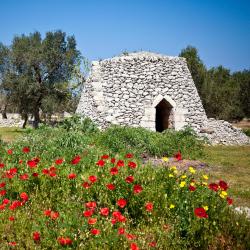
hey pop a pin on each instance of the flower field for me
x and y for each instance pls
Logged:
(64, 190)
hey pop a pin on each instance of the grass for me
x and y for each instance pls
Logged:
(10, 134)
(231, 163)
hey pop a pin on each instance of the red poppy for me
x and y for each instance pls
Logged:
(129, 179)
(32, 163)
(6, 201)
(191, 188)
(9, 152)
(149, 206)
(71, 176)
(104, 157)
(121, 230)
(45, 171)
(24, 196)
(35, 174)
(95, 231)
(200, 212)
(1, 165)
(3, 192)
(52, 174)
(116, 214)
(26, 149)
(2, 184)
(178, 156)
(15, 204)
(104, 211)
(24, 177)
(129, 155)
(64, 241)
(54, 215)
(92, 221)
(114, 171)
(47, 212)
(137, 188)
(223, 185)
(92, 178)
(10, 173)
(213, 186)
(91, 204)
(112, 160)
(52, 169)
(152, 244)
(133, 246)
(36, 236)
(229, 201)
(11, 218)
(12, 243)
(86, 185)
(120, 163)
(110, 186)
(76, 160)
(2, 206)
(132, 164)
(59, 161)
(100, 163)
(88, 213)
(122, 203)
(130, 236)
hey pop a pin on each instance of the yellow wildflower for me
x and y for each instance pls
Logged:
(165, 159)
(172, 206)
(204, 183)
(205, 177)
(175, 172)
(223, 194)
(192, 170)
(173, 168)
(182, 184)
(205, 207)
(192, 184)
(183, 176)
(171, 175)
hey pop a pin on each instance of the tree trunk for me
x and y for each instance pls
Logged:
(36, 118)
(25, 120)
(4, 112)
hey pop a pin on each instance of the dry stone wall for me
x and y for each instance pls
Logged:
(126, 90)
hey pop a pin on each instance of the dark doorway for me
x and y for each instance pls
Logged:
(163, 118)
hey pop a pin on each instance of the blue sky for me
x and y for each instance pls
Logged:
(220, 29)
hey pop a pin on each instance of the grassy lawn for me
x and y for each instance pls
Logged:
(232, 163)
(10, 134)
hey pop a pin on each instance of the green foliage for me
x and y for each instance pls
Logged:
(246, 131)
(39, 72)
(224, 95)
(140, 140)
(79, 123)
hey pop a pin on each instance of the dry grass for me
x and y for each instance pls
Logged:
(10, 134)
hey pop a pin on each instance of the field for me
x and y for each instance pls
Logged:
(79, 188)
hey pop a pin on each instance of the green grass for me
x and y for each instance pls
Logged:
(10, 134)
(232, 163)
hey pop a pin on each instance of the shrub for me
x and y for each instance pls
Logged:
(140, 140)
(78, 123)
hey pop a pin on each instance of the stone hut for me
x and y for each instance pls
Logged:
(150, 90)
